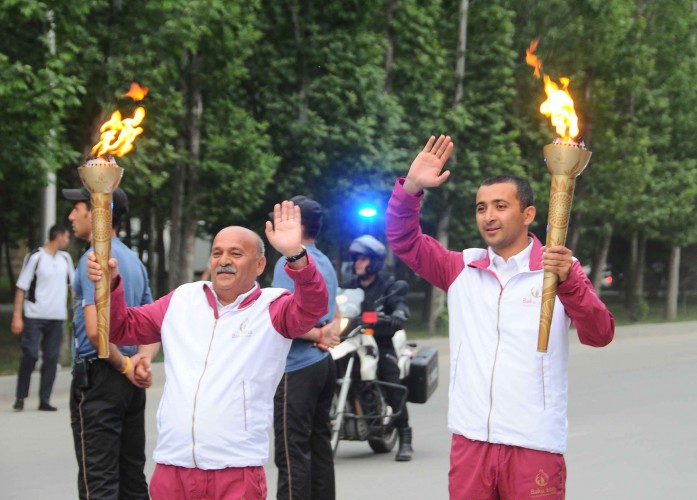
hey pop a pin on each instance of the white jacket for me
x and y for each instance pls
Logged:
(222, 367)
(501, 389)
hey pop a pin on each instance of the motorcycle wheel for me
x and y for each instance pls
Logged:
(384, 444)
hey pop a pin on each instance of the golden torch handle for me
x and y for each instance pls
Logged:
(565, 163)
(560, 198)
(101, 234)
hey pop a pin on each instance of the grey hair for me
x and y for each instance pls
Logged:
(262, 248)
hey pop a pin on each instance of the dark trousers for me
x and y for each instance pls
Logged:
(45, 334)
(108, 422)
(388, 371)
(302, 428)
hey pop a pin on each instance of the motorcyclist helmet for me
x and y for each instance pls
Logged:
(369, 246)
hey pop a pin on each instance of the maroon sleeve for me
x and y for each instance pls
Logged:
(136, 325)
(423, 254)
(294, 314)
(594, 323)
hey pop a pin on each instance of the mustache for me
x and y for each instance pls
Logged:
(226, 269)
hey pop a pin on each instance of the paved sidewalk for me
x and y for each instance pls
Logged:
(631, 421)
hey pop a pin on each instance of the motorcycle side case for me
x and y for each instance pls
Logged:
(423, 375)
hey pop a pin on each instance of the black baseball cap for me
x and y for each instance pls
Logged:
(119, 198)
(311, 213)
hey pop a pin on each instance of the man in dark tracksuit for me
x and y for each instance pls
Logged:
(368, 255)
(107, 398)
(302, 427)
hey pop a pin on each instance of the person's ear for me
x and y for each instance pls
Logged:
(529, 215)
(261, 265)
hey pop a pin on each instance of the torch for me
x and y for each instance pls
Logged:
(566, 159)
(101, 176)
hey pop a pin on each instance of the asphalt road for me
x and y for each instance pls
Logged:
(632, 431)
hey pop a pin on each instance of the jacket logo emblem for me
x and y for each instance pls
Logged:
(534, 297)
(542, 478)
(244, 331)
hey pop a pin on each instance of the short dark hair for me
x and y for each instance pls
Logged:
(523, 188)
(55, 231)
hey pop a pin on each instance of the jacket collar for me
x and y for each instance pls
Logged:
(535, 257)
(247, 298)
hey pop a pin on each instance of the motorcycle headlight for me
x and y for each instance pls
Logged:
(344, 323)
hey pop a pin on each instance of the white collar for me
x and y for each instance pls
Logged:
(236, 303)
(521, 260)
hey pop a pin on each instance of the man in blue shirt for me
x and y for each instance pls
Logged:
(302, 427)
(107, 398)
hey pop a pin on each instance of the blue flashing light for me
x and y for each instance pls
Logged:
(367, 212)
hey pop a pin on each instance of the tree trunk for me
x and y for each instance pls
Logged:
(437, 302)
(161, 277)
(148, 245)
(673, 284)
(389, 52)
(175, 226)
(438, 295)
(190, 219)
(631, 272)
(301, 40)
(184, 221)
(8, 264)
(640, 271)
(601, 260)
(576, 222)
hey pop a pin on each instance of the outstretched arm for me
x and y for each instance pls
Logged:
(423, 254)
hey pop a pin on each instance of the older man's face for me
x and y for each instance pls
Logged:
(235, 260)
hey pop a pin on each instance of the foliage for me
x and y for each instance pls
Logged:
(333, 99)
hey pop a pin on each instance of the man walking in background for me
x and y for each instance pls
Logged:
(40, 308)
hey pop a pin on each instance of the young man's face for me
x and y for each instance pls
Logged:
(501, 220)
(81, 219)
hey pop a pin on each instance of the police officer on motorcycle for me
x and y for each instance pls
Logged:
(368, 256)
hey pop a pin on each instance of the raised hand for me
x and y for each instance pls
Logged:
(425, 170)
(285, 234)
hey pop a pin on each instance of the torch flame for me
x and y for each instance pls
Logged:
(559, 106)
(117, 135)
(531, 59)
(137, 93)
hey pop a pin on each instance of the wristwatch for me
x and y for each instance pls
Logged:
(298, 256)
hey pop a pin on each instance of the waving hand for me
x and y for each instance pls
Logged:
(425, 170)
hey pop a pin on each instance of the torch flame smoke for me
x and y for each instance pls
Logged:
(117, 134)
(559, 106)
